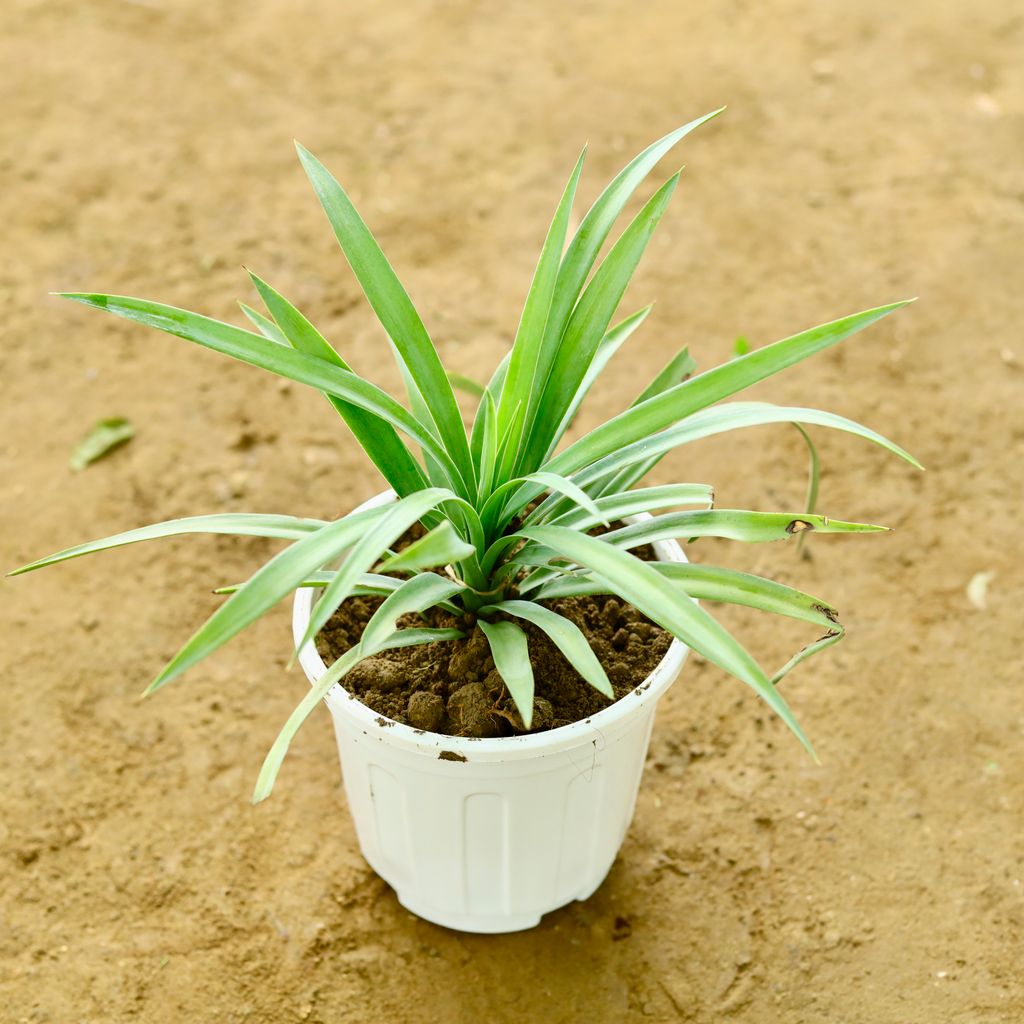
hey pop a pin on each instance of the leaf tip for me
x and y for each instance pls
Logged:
(526, 715)
(84, 297)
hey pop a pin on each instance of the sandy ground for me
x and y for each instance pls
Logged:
(871, 151)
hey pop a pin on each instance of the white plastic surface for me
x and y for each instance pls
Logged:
(486, 835)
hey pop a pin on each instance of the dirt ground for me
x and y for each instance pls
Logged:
(871, 151)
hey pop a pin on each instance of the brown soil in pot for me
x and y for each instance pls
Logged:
(453, 687)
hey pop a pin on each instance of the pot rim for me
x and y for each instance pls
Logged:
(596, 728)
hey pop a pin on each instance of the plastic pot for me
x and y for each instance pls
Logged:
(486, 835)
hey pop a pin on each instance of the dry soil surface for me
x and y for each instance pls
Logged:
(871, 151)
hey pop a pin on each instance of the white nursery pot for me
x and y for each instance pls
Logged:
(486, 835)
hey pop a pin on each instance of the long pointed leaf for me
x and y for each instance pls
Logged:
(586, 328)
(258, 351)
(595, 228)
(264, 325)
(423, 591)
(319, 690)
(610, 344)
(565, 635)
(644, 588)
(393, 307)
(367, 550)
(487, 459)
(278, 577)
(370, 584)
(733, 524)
(706, 388)
(511, 653)
(236, 523)
(521, 380)
(377, 438)
(629, 503)
(681, 367)
(733, 416)
(711, 583)
(441, 546)
(568, 490)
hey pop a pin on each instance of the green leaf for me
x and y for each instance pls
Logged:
(813, 478)
(244, 523)
(394, 309)
(568, 490)
(565, 635)
(681, 367)
(367, 550)
(710, 583)
(610, 344)
(645, 419)
(594, 230)
(278, 577)
(734, 524)
(617, 506)
(527, 357)
(264, 325)
(319, 690)
(466, 384)
(505, 455)
(629, 503)
(369, 584)
(415, 595)
(441, 546)
(494, 386)
(713, 583)
(586, 327)
(487, 457)
(258, 351)
(376, 437)
(727, 417)
(647, 590)
(512, 660)
(103, 438)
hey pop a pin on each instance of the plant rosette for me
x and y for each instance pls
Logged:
(487, 834)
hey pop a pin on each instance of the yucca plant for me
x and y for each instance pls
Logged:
(509, 519)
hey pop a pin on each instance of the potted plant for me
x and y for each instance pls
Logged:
(479, 587)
